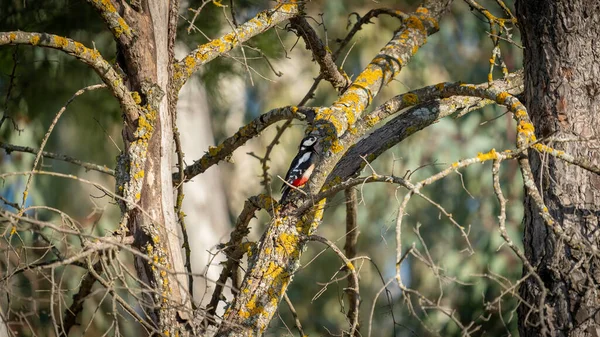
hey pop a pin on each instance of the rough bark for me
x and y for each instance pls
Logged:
(145, 169)
(562, 83)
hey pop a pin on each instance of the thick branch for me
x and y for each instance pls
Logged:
(91, 57)
(234, 249)
(409, 122)
(205, 53)
(245, 133)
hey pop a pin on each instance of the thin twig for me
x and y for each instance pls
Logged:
(88, 166)
(52, 125)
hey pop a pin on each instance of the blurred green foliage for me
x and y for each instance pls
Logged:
(45, 79)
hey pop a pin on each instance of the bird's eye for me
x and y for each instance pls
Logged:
(310, 141)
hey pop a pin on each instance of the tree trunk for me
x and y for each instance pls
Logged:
(145, 170)
(562, 84)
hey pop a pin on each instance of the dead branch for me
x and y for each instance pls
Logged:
(329, 70)
(88, 166)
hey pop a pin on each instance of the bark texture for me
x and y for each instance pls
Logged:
(562, 83)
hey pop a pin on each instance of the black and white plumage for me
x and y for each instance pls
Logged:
(301, 167)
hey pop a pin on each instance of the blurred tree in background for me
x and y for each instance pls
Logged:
(103, 236)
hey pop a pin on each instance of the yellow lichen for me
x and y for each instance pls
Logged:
(410, 99)
(487, 156)
(60, 41)
(525, 127)
(12, 37)
(213, 150)
(501, 97)
(287, 242)
(123, 27)
(136, 97)
(414, 23)
(34, 40)
(520, 113)
(251, 308)
(372, 120)
(336, 147)
(371, 75)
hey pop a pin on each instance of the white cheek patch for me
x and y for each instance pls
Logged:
(309, 142)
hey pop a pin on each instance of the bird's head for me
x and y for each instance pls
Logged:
(308, 143)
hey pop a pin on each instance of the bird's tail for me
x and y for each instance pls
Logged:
(286, 189)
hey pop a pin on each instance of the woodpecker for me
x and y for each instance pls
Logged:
(302, 166)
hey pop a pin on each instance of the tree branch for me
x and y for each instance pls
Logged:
(329, 70)
(117, 25)
(234, 250)
(430, 110)
(350, 250)
(205, 53)
(88, 166)
(245, 133)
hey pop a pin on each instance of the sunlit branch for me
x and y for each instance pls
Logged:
(425, 108)
(245, 133)
(205, 53)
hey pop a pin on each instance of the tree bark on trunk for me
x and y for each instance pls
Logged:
(145, 169)
(562, 84)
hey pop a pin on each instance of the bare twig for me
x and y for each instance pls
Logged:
(350, 245)
(52, 125)
(295, 314)
(329, 70)
(353, 280)
(88, 166)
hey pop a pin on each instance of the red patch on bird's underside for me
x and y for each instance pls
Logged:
(300, 181)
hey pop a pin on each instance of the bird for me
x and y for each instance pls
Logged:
(301, 167)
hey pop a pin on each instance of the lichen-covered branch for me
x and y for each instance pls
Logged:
(234, 249)
(91, 57)
(117, 25)
(245, 133)
(425, 109)
(262, 22)
(334, 121)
